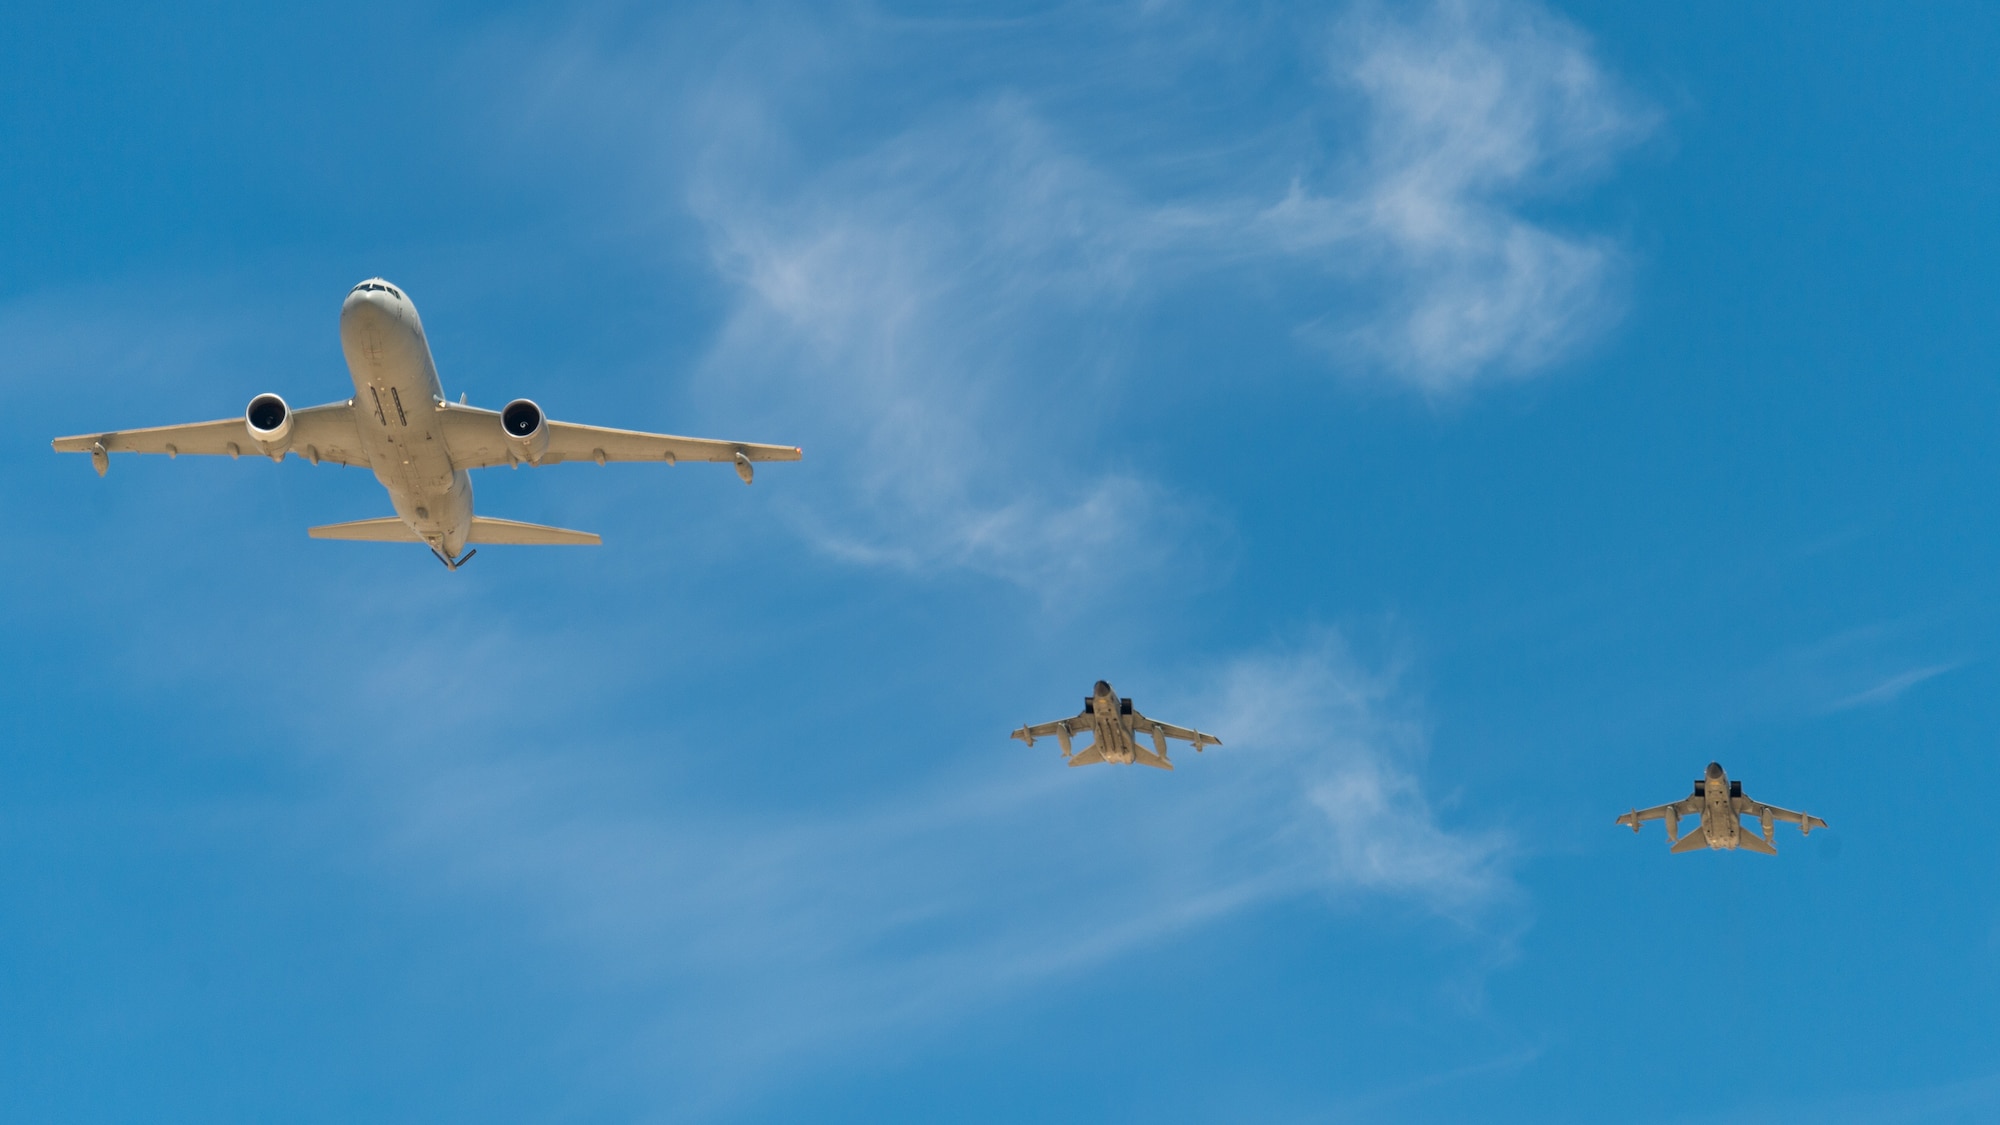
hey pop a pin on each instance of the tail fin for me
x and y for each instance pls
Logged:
(1088, 756)
(1695, 840)
(1750, 841)
(1144, 757)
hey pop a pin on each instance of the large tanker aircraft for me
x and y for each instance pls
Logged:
(419, 445)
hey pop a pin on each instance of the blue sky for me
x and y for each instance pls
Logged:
(1481, 415)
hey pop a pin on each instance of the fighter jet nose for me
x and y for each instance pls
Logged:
(1103, 688)
(1715, 769)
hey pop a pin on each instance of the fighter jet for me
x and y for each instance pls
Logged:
(419, 445)
(1721, 805)
(1114, 726)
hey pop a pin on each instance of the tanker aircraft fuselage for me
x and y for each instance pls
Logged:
(389, 359)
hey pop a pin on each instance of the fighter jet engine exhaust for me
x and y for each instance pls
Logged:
(269, 421)
(527, 429)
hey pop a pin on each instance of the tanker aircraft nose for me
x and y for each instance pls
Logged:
(372, 302)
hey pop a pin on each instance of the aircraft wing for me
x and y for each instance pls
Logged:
(319, 433)
(1143, 725)
(476, 441)
(1747, 807)
(1686, 807)
(1059, 728)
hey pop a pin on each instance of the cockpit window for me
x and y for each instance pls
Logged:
(381, 287)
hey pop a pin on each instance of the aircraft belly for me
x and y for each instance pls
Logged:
(1724, 824)
(396, 395)
(1115, 741)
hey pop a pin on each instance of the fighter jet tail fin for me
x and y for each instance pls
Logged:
(1695, 840)
(1146, 757)
(1088, 756)
(1750, 841)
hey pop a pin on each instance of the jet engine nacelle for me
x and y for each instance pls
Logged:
(527, 429)
(269, 421)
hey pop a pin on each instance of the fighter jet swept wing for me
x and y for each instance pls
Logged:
(1113, 726)
(1143, 725)
(1062, 730)
(1721, 805)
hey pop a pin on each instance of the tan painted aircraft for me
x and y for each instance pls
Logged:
(420, 446)
(1113, 727)
(1721, 805)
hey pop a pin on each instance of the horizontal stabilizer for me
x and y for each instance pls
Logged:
(528, 534)
(1088, 756)
(1695, 840)
(388, 529)
(1750, 841)
(391, 529)
(1146, 757)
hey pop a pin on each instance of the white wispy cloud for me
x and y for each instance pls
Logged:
(945, 294)
(768, 942)
(1866, 666)
(1470, 110)
(1889, 689)
(912, 311)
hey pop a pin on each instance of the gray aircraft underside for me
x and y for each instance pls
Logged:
(1721, 805)
(1114, 728)
(420, 446)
